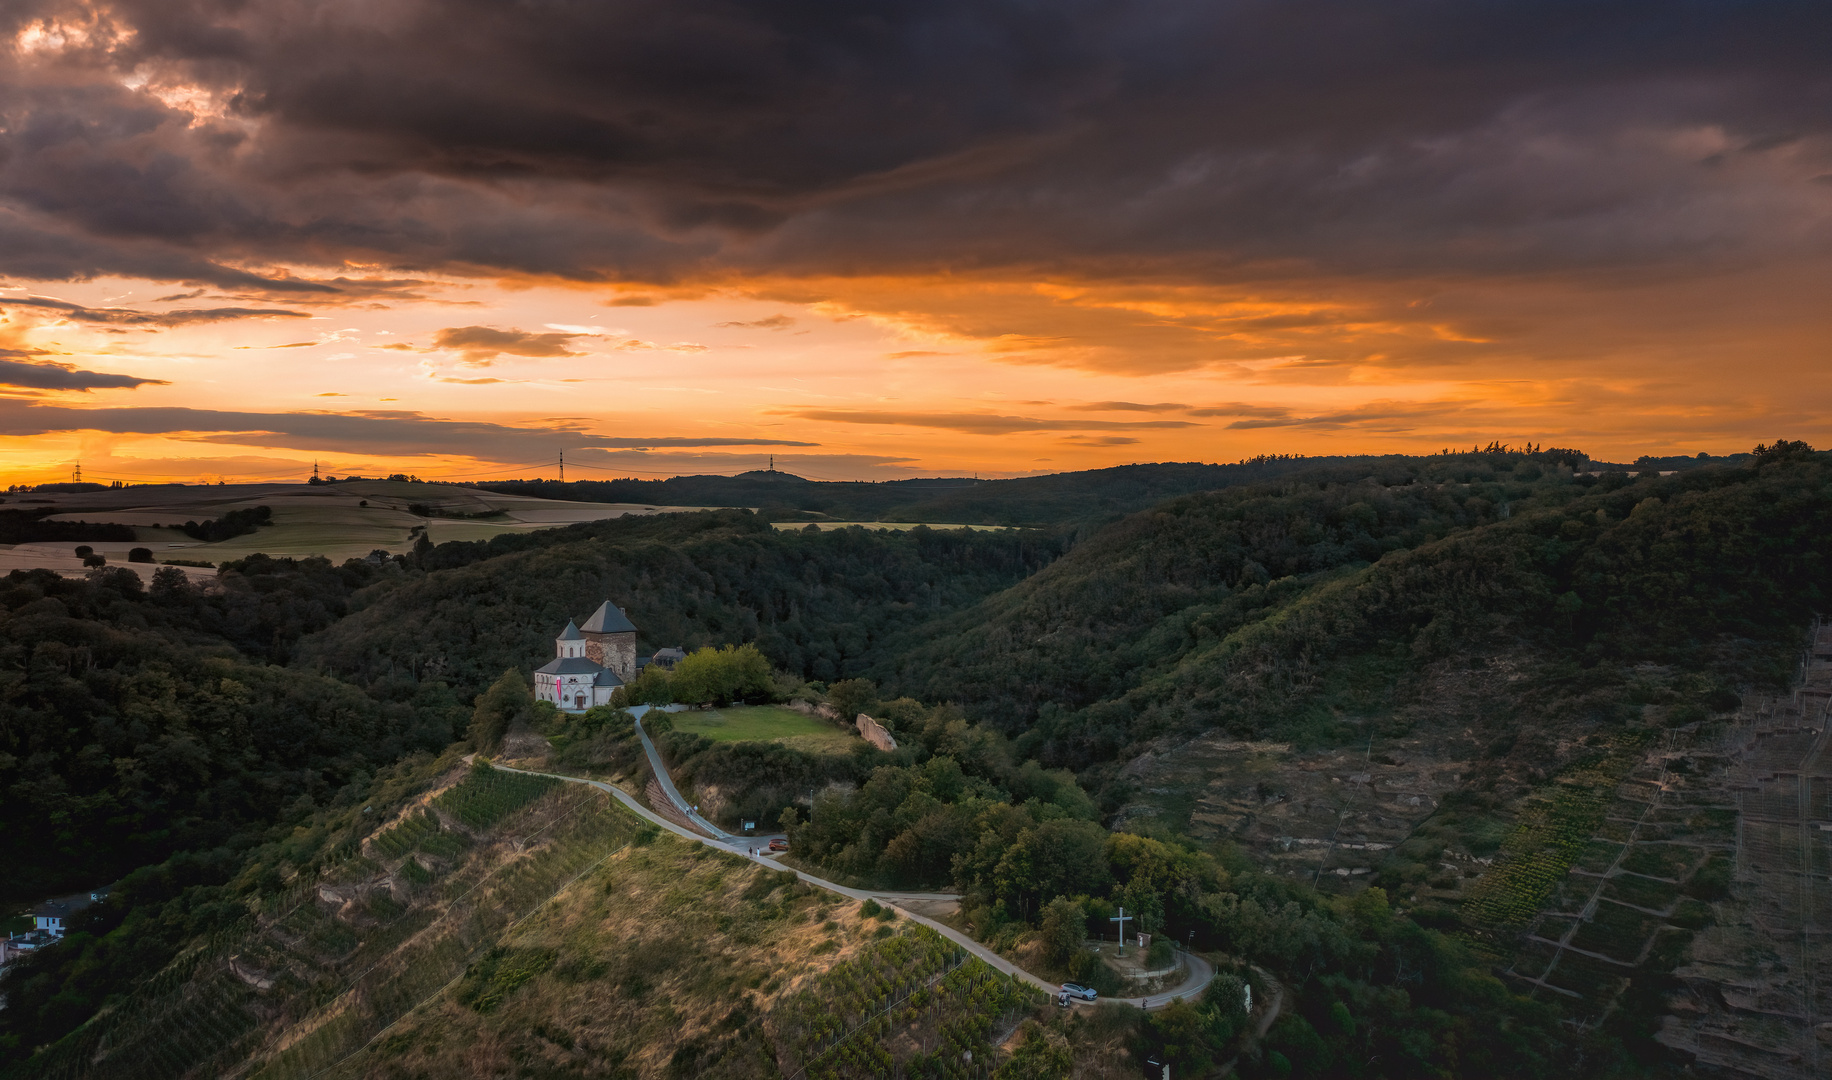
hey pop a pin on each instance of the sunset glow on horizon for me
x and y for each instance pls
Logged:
(456, 239)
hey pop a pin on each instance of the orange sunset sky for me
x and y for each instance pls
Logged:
(456, 239)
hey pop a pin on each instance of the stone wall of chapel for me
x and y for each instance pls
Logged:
(614, 651)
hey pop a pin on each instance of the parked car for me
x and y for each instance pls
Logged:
(1085, 993)
(779, 844)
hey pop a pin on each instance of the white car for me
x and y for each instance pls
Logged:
(1085, 993)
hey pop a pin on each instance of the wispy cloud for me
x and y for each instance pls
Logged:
(119, 316)
(55, 376)
(772, 322)
(376, 431)
(975, 423)
(1130, 406)
(478, 345)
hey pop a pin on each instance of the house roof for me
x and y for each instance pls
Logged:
(571, 633)
(675, 653)
(63, 906)
(609, 619)
(569, 665)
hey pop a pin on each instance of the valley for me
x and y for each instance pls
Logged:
(1478, 764)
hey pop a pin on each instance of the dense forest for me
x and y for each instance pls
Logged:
(1261, 610)
(184, 729)
(139, 723)
(817, 603)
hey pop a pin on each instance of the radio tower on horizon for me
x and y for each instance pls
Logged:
(76, 475)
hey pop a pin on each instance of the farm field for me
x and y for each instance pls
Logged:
(766, 723)
(338, 521)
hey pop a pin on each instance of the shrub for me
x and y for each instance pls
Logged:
(140, 554)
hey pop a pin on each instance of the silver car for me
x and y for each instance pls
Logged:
(1085, 993)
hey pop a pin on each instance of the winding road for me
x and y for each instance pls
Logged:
(1200, 970)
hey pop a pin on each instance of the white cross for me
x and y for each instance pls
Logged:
(1122, 918)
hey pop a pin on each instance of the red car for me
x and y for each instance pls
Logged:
(779, 844)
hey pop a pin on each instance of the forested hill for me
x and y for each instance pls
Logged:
(818, 603)
(1054, 500)
(1308, 609)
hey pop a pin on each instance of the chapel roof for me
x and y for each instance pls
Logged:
(569, 665)
(571, 633)
(609, 619)
(607, 677)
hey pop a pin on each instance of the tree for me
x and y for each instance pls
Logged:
(720, 675)
(1065, 927)
(850, 697)
(650, 687)
(1050, 860)
(498, 708)
(1180, 1032)
(1043, 1055)
(1145, 904)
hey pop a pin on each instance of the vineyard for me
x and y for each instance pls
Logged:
(914, 1005)
(489, 795)
(1550, 835)
(328, 965)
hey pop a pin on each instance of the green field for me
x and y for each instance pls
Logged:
(766, 723)
(339, 521)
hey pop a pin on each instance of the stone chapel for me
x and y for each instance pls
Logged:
(590, 661)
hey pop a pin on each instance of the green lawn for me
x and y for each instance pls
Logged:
(766, 723)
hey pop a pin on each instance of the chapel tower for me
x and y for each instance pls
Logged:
(610, 640)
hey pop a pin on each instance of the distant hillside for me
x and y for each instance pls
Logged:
(1136, 596)
(1285, 610)
(1032, 500)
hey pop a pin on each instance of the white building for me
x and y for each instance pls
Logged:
(589, 662)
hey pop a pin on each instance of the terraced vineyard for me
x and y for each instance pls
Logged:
(1756, 993)
(916, 1005)
(301, 987)
(1553, 832)
(1694, 852)
(489, 795)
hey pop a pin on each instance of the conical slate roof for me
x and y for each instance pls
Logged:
(609, 619)
(571, 633)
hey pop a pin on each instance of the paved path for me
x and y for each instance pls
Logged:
(674, 795)
(1201, 971)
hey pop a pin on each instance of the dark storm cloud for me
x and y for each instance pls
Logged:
(673, 138)
(375, 432)
(54, 376)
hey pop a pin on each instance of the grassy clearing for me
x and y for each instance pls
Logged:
(766, 723)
